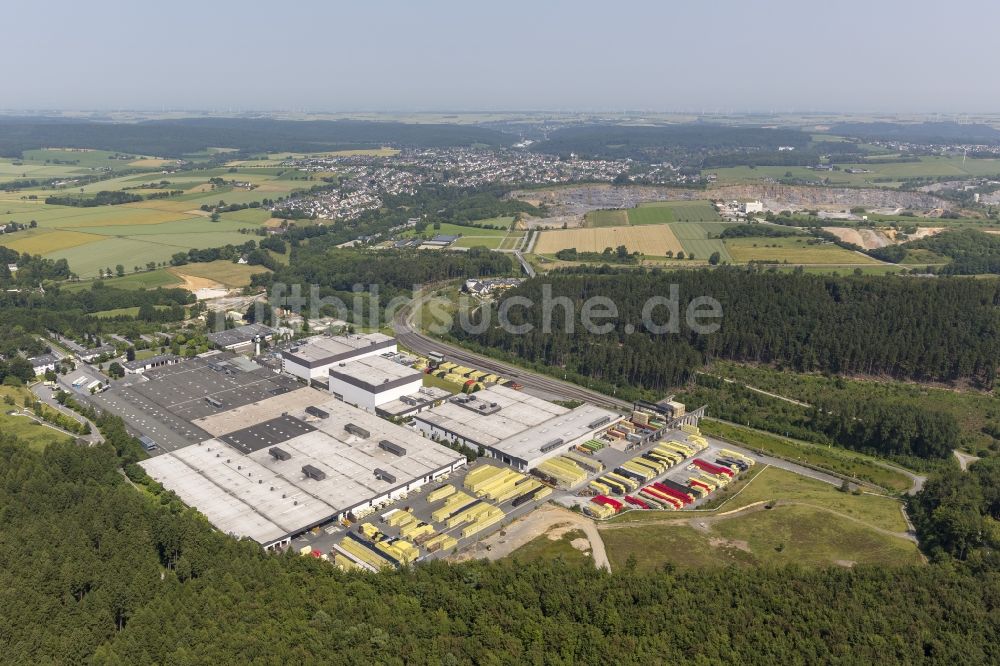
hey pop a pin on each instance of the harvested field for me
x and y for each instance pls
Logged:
(653, 240)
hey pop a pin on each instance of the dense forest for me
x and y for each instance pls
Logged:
(176, 138)
(388, 274)
(92, 570)
(958, 514)
(943, 330)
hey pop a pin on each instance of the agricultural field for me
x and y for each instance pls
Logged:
(503, 221)
(223, 272)
(794, 250)
(95, 238)
(653, 240)
(695, 239)
(606, 218)
(881, 173)
(661, 212)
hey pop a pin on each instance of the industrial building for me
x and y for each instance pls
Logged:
(241, 338)
(372, 381)
(517, 428)
(413, 403)
(313, 357)
(311, 460)
(139, 366)
(163, 402)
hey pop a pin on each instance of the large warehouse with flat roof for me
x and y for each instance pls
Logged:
(517, 428)
(373, 381)
(313, 357)
(277, 467)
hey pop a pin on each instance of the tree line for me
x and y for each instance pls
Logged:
(138, 578)
(945, 330)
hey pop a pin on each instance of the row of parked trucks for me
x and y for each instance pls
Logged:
(635, 479)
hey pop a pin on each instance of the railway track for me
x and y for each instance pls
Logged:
(535, 383)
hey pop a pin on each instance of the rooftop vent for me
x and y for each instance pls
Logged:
(312, 472)
(383, 475)
(392, 447)
(279, 454)
(599, 422)
(554, 444)
(317, 412)
(357, 430)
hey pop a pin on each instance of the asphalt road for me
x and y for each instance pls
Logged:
(534, 383)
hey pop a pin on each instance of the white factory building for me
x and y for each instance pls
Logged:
(372, 381)
(313, 357)
(514, 427)
(278, 467)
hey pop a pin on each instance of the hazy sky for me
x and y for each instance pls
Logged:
(316, 55)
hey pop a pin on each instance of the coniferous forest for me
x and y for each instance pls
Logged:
(947, 329)
(92, 571)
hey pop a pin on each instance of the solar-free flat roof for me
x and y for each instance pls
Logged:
(240, 335)
(375, 373)
(266, 434)
(530, 444)
(324, 350)
(234, 489)
(513, 413)
(424, 396)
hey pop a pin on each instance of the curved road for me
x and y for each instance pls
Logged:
(534, 383)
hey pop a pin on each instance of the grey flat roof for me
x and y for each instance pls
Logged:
(166, 401)
(375, 373)
(577, 423)
(324, 350)
(266, 499)
(517, 412)
(150, 362)
(240, 335)
(426, 395)
(266, 434)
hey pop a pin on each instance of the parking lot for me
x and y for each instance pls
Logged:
(323, 539)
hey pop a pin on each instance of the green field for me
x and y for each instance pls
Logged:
(136, 233)
(124, 312)
(35, 435)
(694, 237)
(811, 523)
(606, 218)
(799, 535)
(661, 212)
(504, 222)
(883, 174)
(224, 272)
(835, 459)
(794, 250)
(544, 548)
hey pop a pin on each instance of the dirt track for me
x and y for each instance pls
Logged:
(551, 521)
